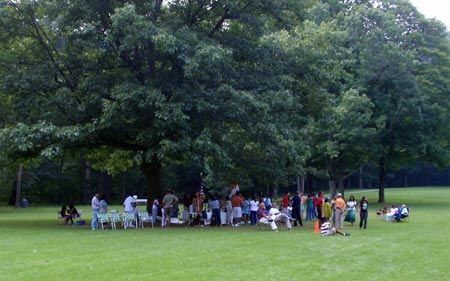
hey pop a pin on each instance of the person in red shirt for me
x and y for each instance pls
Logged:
(285, 201)
(318, 205)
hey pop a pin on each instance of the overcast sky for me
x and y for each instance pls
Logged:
(439, 9)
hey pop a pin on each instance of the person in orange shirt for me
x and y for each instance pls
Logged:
(340, 211)
(237, 203)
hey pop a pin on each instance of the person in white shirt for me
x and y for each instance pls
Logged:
(155, 208)
(402, 213)
(128, 204)
(128, 207)
(95, 205)
(279, 216)
(351, 210)
(253, 211)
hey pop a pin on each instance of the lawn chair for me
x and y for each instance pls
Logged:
(402, 215)
(103, 219)
(128, 219)
(59, 217)
(381, 213)
(114, 218)
(206, 217)
(143, 218)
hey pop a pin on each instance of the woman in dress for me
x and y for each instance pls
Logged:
(351, 210)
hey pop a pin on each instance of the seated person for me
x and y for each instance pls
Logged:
(279, 216)
(264, 216)
(65, 214)
(381, 212)
(73, 213)
(392, 213)
(402, 213)
(327, 230)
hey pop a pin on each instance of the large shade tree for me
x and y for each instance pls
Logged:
(388, 39)
(140, 82)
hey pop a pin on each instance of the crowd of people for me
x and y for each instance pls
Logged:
(236, 210)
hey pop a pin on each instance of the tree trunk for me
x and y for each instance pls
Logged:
(309, 182)
(105, 184)
(124, 185)
(85, 177)
(332, 186)
(360, 178)
(382, 178)
(19, 185)
(302, 184)
(341, 177)
(405, 183)
(341, 185)
(153, 176)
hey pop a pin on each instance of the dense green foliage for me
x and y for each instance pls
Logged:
(256, 91)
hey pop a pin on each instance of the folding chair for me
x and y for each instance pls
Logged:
(401, 217)
(207, 221)
(114, 218)
(143, 218)
(103, 219)
(59, 217)
(128, 220)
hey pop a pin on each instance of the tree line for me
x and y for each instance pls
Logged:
(261, 92)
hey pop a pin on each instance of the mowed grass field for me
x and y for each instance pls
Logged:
(35, 247)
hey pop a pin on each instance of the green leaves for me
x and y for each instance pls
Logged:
(258, 89)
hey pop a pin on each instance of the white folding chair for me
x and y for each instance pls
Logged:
(114, 218)
(59, 217)
(128, 219)
(143, 218)
(103, 219)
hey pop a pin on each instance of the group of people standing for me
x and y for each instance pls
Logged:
(239, 210)
(337, 209)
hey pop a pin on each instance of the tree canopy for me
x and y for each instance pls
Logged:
(257, 90)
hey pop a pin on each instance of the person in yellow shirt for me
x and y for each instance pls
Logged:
(326, 210)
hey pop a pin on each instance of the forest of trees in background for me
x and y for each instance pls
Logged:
(49, 184)
(139, 96)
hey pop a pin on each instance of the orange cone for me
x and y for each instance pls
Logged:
(316, 227)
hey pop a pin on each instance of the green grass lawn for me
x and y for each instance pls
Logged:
(35, 247)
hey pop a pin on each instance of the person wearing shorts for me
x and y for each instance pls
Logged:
(237, 203)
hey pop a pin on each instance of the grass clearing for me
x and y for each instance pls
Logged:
(35, 247)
